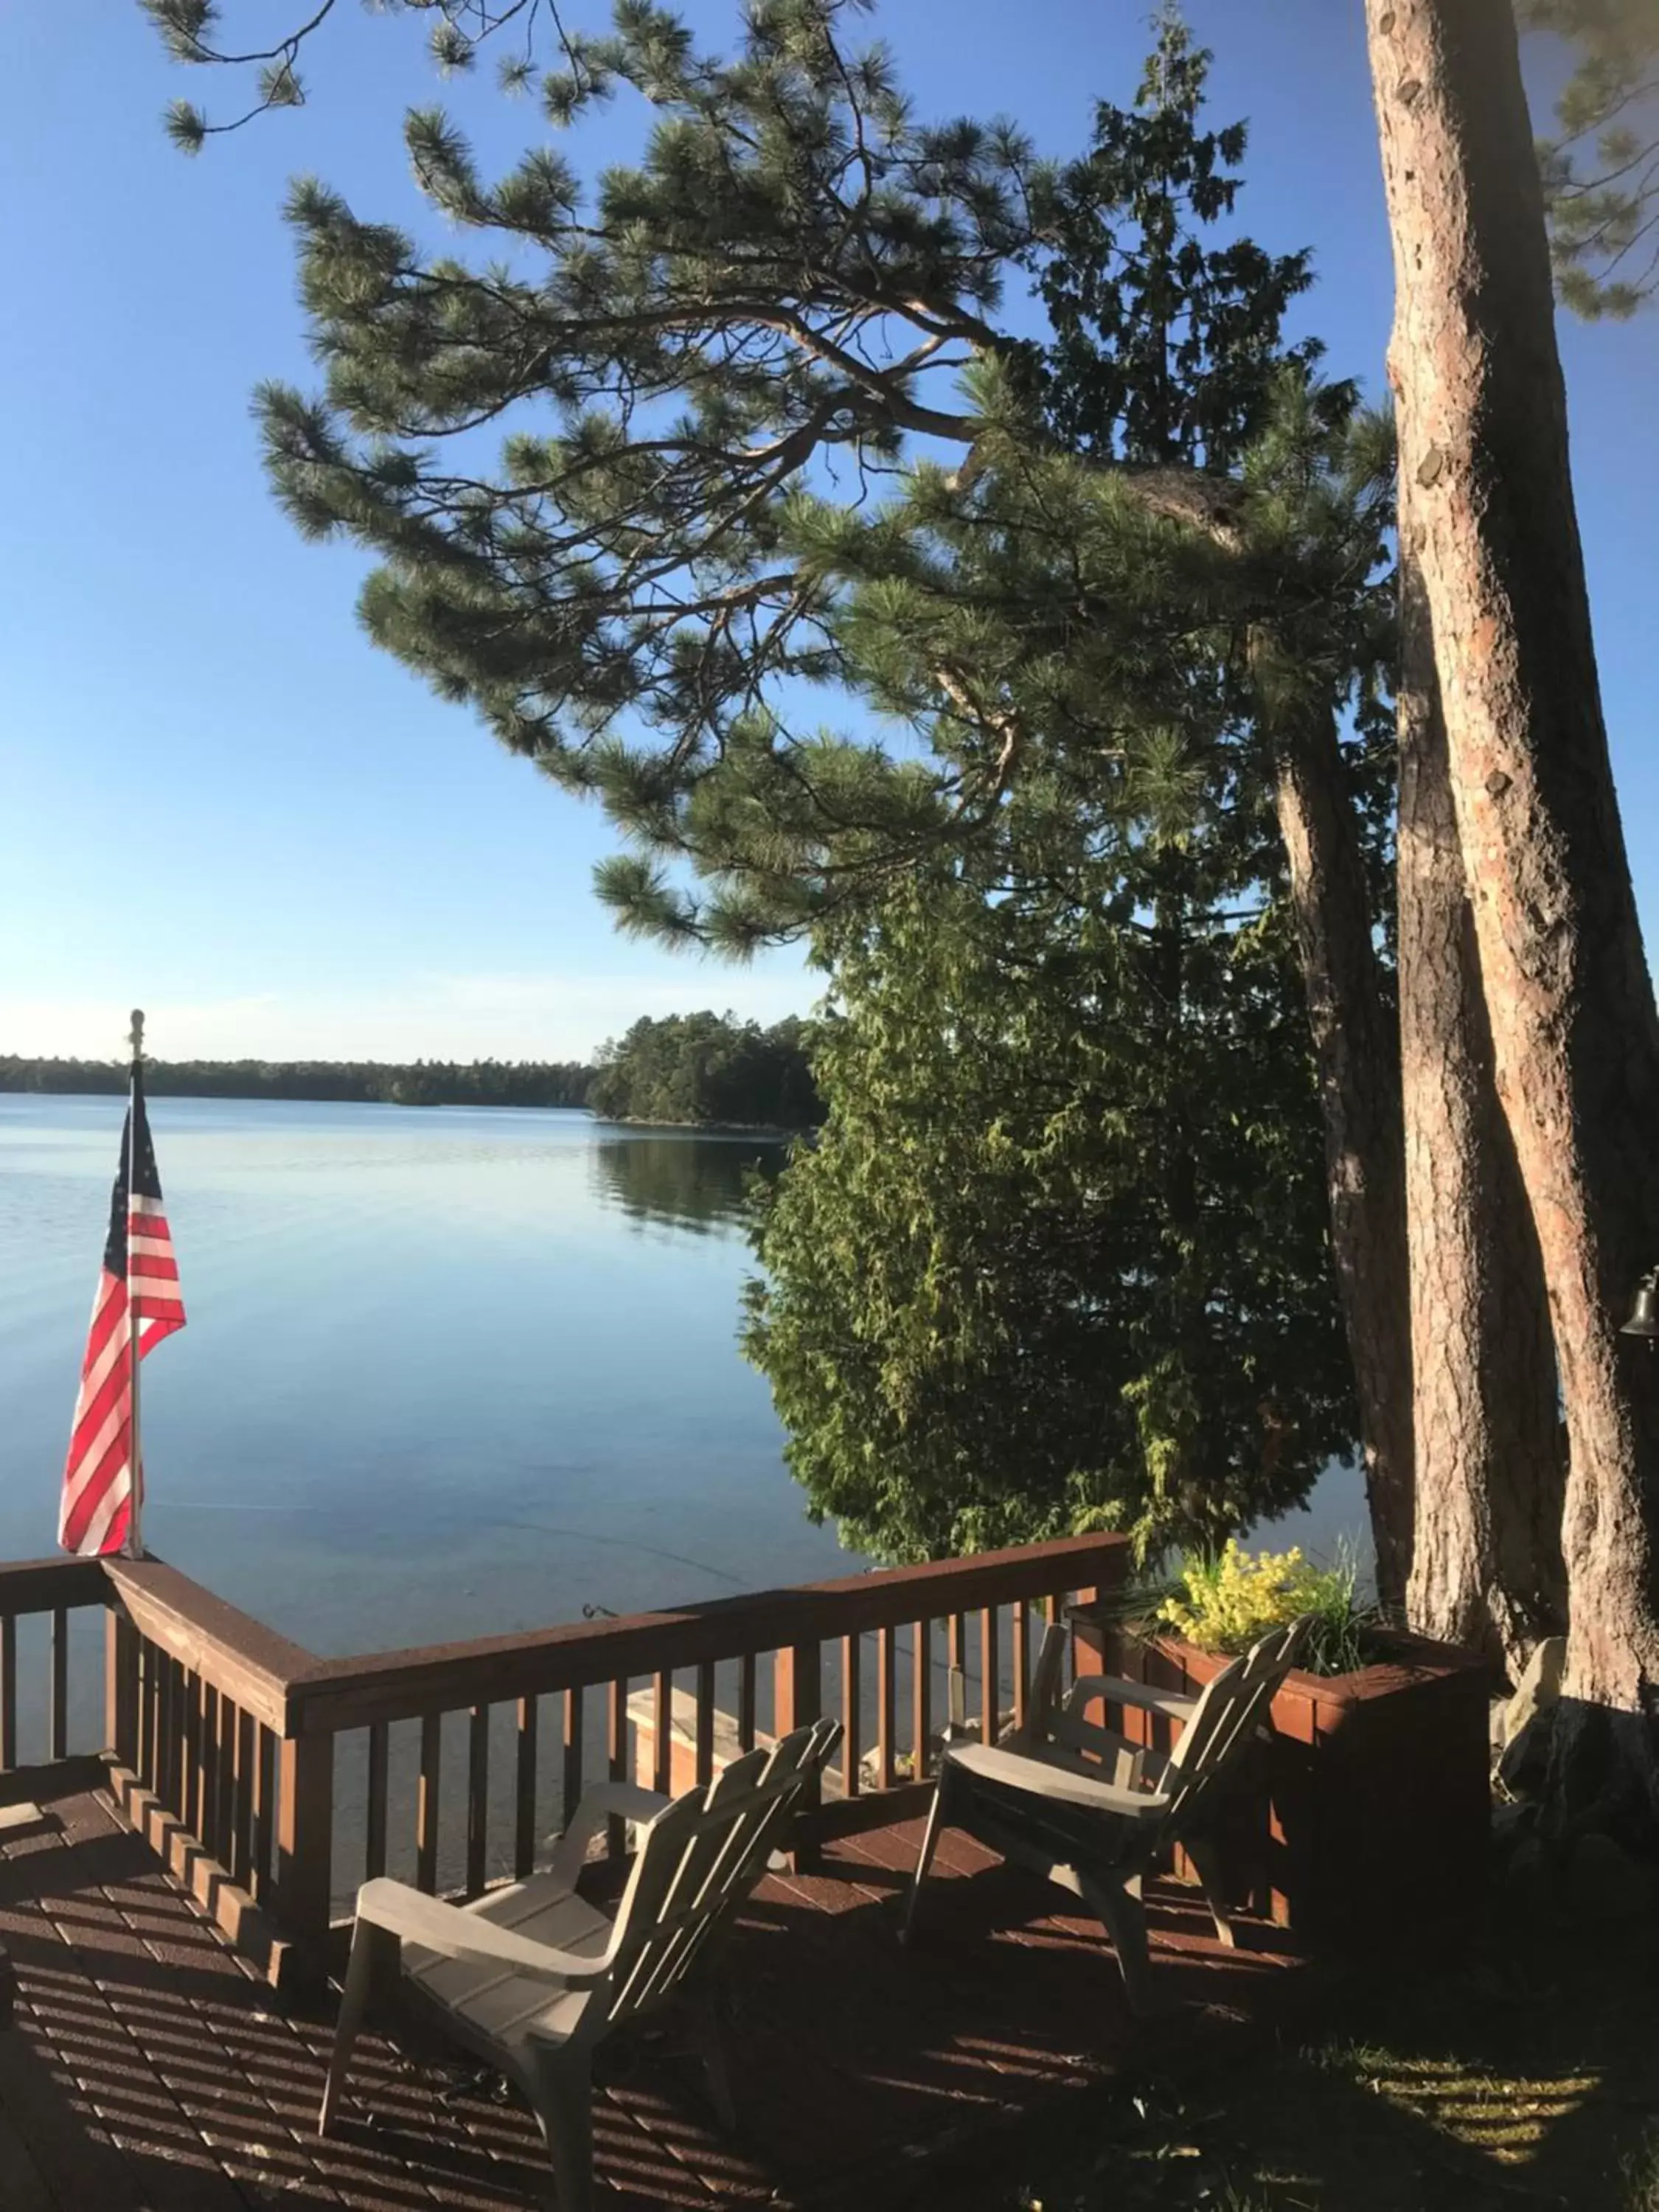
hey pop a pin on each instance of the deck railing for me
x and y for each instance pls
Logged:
(34, 1683)
(275, 1781)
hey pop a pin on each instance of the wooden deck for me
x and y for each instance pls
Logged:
(149, 2070)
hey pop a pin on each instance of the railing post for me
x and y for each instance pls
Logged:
(121, 1686)
(797, 1701)
(304, 1840)
(57, 1709)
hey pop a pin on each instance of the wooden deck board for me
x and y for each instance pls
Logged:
(149, 2070)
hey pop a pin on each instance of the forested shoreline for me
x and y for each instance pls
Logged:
(684, 1071)
(384, 1082)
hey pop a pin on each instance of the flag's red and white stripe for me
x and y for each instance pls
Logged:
(139, 1281)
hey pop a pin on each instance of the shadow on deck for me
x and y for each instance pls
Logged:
(149, 2070)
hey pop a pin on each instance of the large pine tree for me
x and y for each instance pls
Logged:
(794, 291)
(1575, 1041)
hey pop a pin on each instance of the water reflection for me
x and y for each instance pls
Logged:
(685, 1180)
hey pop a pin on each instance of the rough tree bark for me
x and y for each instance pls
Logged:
(1575, 1038)
(1490, 1465)
(1356, 1052)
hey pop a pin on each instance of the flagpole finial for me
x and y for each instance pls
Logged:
(137, 1035)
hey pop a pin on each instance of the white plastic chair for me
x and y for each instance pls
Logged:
(1089, 1810)
(531, 1976)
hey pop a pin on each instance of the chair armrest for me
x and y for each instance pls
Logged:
(1133, 1804)
(1056, 1776)
(416, 1919)
(603, 1801)
(1088, 1687)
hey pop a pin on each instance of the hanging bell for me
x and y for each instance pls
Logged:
(1645, 1314)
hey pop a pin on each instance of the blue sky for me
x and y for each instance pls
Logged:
(218, 800)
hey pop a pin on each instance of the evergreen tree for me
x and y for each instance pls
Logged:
(1060, 1257)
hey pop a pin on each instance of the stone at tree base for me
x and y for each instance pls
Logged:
(1604, 1882)
(1540, 1686)
(1497, 1726)
(1525, 1762)
(1528, 1719)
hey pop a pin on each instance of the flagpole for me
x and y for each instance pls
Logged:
(135, 1532)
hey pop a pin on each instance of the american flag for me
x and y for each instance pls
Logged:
(138, 1266)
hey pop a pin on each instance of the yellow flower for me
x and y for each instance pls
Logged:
(1230, 1602)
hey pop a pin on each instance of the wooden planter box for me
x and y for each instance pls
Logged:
(1367, 1822)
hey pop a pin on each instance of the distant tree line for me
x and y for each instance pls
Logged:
(709, 1070)
(418, 1083)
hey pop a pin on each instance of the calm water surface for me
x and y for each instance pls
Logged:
(448, 1371)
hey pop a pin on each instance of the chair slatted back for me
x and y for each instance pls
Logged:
(698, 1860)
(1227, 1714)
(1043, 1703)
(1231, 1708)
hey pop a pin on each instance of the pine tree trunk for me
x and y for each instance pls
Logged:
(1570, 1005)
(1355, 1052)
(1490, 1465)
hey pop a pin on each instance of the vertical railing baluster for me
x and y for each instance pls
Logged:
(523, 1787)
(163, 1720)
(121, 1686)
(478, 1798)
(797, 1700)
(57, 1717)
(1022, 1659)
(570, 1781)
(178, 1710)
(9, 1692)
(148, 1660)
(886, 1704)
(426, 1804)
(375, 1812)
(921, 1697)
(191, 1782)
(224, 1816)
(264, 1814)
(175, 1694)
(304, 1840)
(241, 1806)
(990, 1676)
(746, 1674)
(616, 1731)
(208, 1768)
(662, 1725)
(851, 1749)
(704, 1769)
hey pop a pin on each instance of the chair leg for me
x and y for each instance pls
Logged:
(371, 1949)
(929, 1845)
(709, 2039)
(1207, 1865)
(1115, 1901)
(561, 2083)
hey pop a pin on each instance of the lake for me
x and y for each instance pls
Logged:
(448, 1371)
